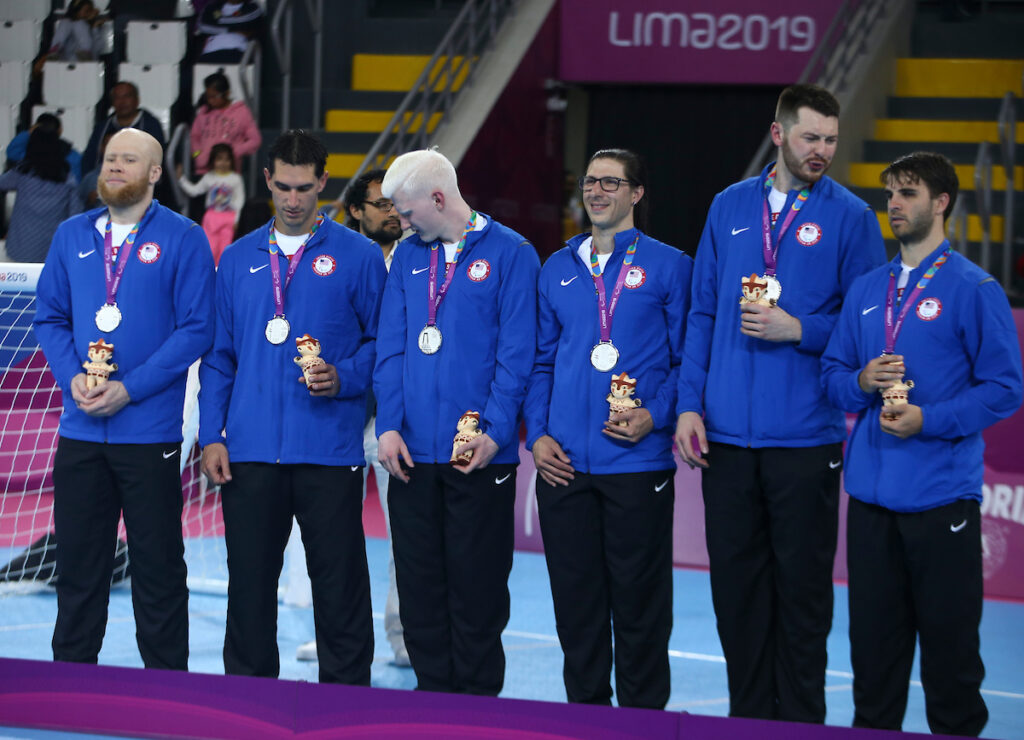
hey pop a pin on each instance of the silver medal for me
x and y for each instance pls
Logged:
(774, 290)
(277, 330)
(604, 356)
(108, 317)
(430, 340)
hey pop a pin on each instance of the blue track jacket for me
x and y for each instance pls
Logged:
(166, 303)
(755, 393)
(250, 387)
(961, 350)
(567, 397)
(489, 332)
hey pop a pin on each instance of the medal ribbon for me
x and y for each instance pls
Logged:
(771, 252)
(113, 277)
(892, 327)
(434, 294)
(606, 310)
(293, 264)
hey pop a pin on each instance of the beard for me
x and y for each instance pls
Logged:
(914, 230)
(125, 195)
(799, 169)
(388, 232)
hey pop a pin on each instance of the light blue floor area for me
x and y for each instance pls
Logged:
(534, 661)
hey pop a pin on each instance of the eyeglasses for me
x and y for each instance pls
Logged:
(608, 184)
(385, 206)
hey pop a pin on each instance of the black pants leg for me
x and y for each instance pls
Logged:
(86, 508)
(771, 517)
(150, 484)
(329, 505)
(453, 537)
(927, 551)
(257, 511)
(883, 634)
(572, 525)
(638, 553)
(93, 482)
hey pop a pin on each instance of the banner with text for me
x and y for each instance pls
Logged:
(690, 41)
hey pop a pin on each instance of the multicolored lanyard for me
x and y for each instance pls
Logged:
(434, 294)
(771, 251)
(293, 264)
(113, 277)
(893, 326)
(605, 310)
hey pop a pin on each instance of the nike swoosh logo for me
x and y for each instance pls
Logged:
(256, 269)
(736, 231)
(566, 282)
(662, 485)
(355, 468)
(835, 464)
(422, 269)
(169, 455)
(83, 255)
(499, 481)
(957, 527)
(866, 311)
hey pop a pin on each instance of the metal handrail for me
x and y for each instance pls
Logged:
(844, 41)
(434, 90)
(983, 201)
(179, 141)
(956, 226)
(281, 37)
(1007, 125)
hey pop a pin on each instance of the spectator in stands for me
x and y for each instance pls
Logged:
(76, 36)
(374, 216)
(16, 149)
(221, 120)
(467, 349)
(88, 188)
(950, 367)
(120, 441)
(225, 195)
(46, 196)
(282, 448)
(228, 27)
(124, 99)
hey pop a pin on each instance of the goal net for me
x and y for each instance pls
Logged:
(30, 408)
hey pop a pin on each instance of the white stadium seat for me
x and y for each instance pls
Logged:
(233, 72)
(13, 82)
(70, 84)
(157, 83)
(18, 9)
(156, 42)
(19, 39)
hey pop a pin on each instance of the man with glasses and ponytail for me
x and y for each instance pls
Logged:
(600, 412)
(778, 253)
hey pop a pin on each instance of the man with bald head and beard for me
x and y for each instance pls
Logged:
(138, 276)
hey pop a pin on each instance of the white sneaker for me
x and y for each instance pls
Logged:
(307, 651)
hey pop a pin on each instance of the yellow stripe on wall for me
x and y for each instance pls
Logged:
(973, 227)
(398, 72)
(958, 78)
(865, 175)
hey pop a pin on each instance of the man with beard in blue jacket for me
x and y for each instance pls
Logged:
(137, 276)
(457, 335)
(750, 386)
(284, 442)
(950, 367)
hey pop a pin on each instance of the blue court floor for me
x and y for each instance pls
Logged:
(534, 660)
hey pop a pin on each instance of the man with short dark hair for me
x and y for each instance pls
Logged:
(285, 441)
(950, 368)
(457, 335)
(135, 279)
(778, 253)
(124, 99)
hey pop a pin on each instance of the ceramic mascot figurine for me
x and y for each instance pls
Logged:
(755, 290)
(98, 368)
(898, 394)
(620, 399)
(469, 429)
(309, 355)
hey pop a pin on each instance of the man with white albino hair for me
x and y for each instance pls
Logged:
(455, 336)
(138, 276)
